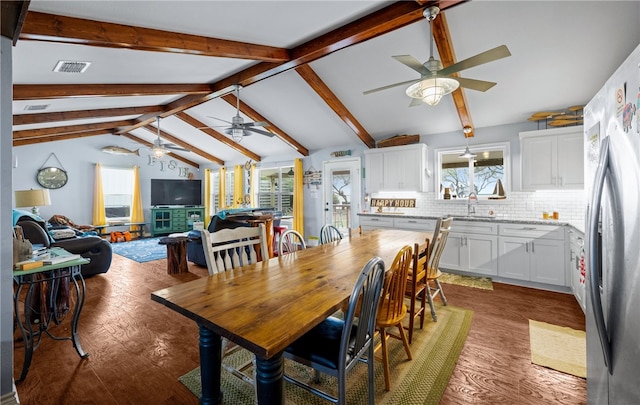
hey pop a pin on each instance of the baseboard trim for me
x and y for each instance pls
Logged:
(10, 398)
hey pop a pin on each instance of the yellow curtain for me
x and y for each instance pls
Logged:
(207, 198)
(298, 197)
(253, 188)
(222, 188)
(237, 186)
(137, 214)
(99, 215)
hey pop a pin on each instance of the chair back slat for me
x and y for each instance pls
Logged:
(329, 233)
(443, 227)
(395, 285)
(290, 241)
(232, 248)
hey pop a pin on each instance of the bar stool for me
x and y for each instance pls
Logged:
(277, 233)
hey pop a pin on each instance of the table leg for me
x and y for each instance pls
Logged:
(210, 359)
(26, 328)
(80, 290)
(269, 379)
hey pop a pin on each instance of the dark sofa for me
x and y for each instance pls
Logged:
(91, 247)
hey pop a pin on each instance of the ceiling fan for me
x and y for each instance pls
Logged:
(436, 81)
(159, 148)
(238, 127)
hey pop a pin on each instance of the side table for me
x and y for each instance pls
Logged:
(176, 253)
(54, 284)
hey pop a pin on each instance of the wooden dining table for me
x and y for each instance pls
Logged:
(266, 306)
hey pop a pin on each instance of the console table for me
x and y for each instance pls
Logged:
(53, 282)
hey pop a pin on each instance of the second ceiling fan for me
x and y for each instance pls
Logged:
(238, 127)
(436, 81)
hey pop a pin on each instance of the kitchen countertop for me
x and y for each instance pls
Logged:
(479, 218)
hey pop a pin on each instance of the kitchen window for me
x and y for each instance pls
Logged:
(486, 174)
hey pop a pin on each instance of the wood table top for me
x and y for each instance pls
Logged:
(266, 306)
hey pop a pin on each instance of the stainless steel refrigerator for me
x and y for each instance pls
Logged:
(612, 183)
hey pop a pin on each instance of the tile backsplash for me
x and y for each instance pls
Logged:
(519, 205)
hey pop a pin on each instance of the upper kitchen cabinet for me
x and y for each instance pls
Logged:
(552, 159)
(396, 168)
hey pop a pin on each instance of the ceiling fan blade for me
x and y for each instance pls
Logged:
(255, 124)
(259, 131)
(219, 119)
(413, 63)
(473, 84)
(485, 57)
(415, 102)
(391, 86)
(176, 148)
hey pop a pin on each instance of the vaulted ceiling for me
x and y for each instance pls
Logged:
(302, 65)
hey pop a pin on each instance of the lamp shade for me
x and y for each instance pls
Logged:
(32, 198)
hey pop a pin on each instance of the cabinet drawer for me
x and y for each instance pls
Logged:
(179, 214)
(532, 231)
(485, 228)
(413, 223)
(376, 222)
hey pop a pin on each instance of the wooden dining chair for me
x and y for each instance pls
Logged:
(290, 241)
(329, 233)
(439, 241)
(392, 309)
(355, 231)
(229, 249)
(336, 345)
(417, 285)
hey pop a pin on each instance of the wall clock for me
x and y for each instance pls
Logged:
(52, 177)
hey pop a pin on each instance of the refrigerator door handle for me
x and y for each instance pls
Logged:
(594, 261)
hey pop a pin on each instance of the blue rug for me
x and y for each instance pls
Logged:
(141, 250)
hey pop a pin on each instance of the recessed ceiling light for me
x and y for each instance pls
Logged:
(71, 66)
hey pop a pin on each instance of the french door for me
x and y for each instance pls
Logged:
(342, 193)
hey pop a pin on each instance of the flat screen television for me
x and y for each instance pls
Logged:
(176, 192)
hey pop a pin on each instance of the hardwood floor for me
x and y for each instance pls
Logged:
(139, 348)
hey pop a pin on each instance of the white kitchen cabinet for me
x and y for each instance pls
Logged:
(396, 168)
(368, 222)
(532, 253)
(552, 159)
(473, 247)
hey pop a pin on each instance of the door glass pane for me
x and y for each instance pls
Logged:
(341, 186)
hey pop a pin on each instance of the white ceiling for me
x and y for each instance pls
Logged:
(562, 52)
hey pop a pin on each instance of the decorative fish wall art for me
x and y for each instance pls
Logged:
(118, 150)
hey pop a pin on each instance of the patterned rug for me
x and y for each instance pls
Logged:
(435, 351)
(558, 347)
(141, 250)
(484, 283)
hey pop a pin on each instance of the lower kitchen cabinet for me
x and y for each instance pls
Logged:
(473, 247)
(537, 259)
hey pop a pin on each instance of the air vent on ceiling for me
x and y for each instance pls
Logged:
(36, 107)
(71, 66)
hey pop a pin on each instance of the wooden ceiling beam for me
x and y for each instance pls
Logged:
(46, 91)
(316, 83)
(52, 138)
(69, 129)
(217, 135)
(442, 38)
(173, 155)
(256, 116)
(78, 31)
(13, 15)
(185, 145)
(41, 118)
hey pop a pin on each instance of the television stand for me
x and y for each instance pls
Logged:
(167, 220)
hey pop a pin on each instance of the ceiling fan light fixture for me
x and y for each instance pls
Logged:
(432, 89)
(236, 134)
(158, 152)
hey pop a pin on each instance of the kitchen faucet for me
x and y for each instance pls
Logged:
(472, 201)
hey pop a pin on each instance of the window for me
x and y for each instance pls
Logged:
(215, 190)
(486, 174)
(117, 190)
(275, 189)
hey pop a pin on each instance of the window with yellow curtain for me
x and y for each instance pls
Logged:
(275, 188)
(117, 190)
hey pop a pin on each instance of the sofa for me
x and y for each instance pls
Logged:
(228, 219)
(91, 247)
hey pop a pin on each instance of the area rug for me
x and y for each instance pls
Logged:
(141, 250)
(484, 283)
(435, 351)
(557, 347)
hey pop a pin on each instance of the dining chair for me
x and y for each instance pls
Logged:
(336, 345)
(417, 285)
(355, 231)
(290, 241)
(392, 309)
(439, 241)
(329, 233)
(229, 249)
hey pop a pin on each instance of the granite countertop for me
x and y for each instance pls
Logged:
(479, 218)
